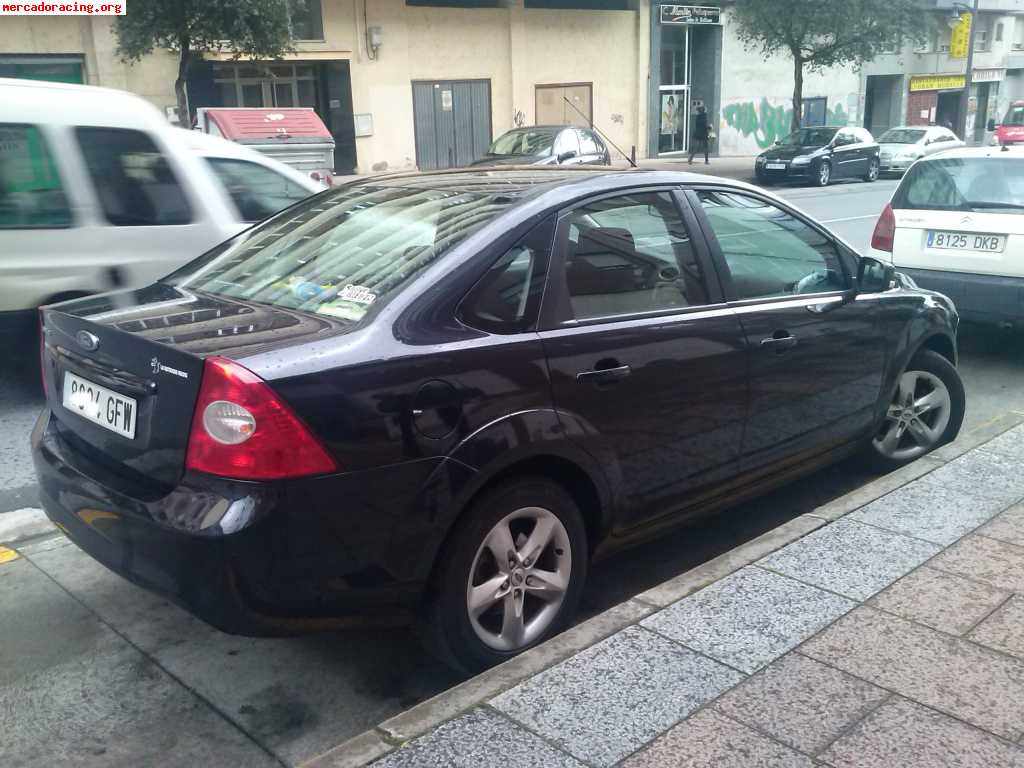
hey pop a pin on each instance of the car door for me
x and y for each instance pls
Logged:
(815, 358)
(847, 158)
(647, 365)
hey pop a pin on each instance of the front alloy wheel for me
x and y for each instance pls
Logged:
(917, 418)
(824, 174)
(518, 579)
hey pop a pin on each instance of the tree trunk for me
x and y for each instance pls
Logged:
(184, 62)
(798, 91)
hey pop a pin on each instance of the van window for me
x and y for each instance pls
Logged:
(31, 195)
(257, 191)
(133, 180)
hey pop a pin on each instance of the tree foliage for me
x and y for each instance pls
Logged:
(252, 29)
(818, 34)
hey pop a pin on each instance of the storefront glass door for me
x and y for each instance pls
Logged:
(674, 91)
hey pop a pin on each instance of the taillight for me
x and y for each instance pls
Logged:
(242, 429)
(885, 231)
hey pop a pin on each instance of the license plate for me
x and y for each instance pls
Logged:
(776, 166)
(966, 241)
(100, 405)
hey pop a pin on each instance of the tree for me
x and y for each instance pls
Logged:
(821, 33)
(247, 28)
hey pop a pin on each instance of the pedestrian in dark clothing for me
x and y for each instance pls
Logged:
(699, 141)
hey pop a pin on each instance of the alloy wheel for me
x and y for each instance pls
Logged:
(824, 174)
(519, 579)
(873, 171)
(916, 419)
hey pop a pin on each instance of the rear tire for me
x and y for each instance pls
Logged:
(873, 170)
(926, 412)
(484, 608)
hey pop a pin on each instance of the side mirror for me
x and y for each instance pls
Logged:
(992, 125)
(874, 276)
(566, 156)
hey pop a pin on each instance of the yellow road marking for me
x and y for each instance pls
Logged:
(7, 555)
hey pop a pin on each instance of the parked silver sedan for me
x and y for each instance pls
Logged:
(902, 146)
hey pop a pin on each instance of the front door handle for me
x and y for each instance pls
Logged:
(604, 375)
(780, 341)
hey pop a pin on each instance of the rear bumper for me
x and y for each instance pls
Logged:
(238, 555)
(978, 298)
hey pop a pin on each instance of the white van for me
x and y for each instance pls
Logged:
(98, 192)
(955, 224)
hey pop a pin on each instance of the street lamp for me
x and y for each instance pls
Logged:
(965, 98)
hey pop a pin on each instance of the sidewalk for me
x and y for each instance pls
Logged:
(739, 168)
(889, 632)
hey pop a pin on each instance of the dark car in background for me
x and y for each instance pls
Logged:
(547, 145)
(441, 397)
(820, 156)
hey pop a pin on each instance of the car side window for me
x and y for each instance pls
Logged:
(588, 145)
(844, 139)
(567, 141)
(133, 180)
(31, 193)
(769, 252)
(629, 255)
(507, 298)
(257, 191)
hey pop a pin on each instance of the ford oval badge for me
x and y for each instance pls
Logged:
(90, 342)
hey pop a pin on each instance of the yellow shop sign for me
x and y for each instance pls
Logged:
(936, 82)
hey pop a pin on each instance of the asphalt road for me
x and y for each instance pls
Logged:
(94, 671)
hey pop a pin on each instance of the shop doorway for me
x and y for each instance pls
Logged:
(452, 121)
(947, 109)
(674, 91)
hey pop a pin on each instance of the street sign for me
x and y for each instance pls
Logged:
(960, 40)
(691, 14)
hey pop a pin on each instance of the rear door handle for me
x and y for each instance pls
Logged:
(780, 341)
(604, 375)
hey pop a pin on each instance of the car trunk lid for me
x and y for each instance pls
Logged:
(917, 243)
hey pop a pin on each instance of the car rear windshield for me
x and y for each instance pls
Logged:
(531, 141)
(990, 184)
(1015, 115)
(901, 136)
(339, 254)
(810, 137)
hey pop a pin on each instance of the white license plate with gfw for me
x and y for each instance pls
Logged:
(100, 405)
(966, 241)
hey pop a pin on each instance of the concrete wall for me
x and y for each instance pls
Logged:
(757, 96)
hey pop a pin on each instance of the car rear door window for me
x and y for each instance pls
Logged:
(768, 252)
(629, 255)
(257, 191)
(31, 193)
(133, 180)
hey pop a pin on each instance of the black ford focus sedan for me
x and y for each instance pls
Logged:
(438, 398)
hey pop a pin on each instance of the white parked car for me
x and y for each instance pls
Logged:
(97, 192)
(900, 147)
(956, 225)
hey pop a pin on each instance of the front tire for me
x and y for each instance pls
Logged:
(873, 169)
(824, 175)
(510, 576)
(926, 412)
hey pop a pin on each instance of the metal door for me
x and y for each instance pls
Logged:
(452, 121)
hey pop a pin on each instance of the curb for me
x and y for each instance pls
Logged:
(20, 525)
(370, 745)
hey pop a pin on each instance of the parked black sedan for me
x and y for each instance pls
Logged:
(547, 145)
(819, 156)
(440, 397)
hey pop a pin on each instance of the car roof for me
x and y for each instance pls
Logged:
(205, 145)
(999, 153)
(68, 104)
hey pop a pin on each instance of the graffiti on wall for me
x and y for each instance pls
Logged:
(753, 128)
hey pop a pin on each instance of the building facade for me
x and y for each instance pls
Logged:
(407, 83)
(922, 84)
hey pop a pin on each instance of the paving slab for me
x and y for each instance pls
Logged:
(611, 699)
(1008, 527)
(905, 734)
(982, 473)
(1010, 444)
(801, 702)
(955, 676)
(749, 618)
(850, 558)
(996, 563)
(479, 739)
(711, 739)
(940, 600)
(938, 515)
(1004, 629)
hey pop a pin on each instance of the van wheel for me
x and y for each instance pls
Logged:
(509, 578)
(926, 412)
